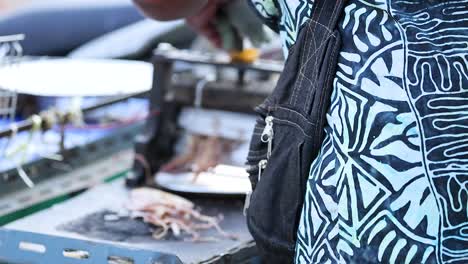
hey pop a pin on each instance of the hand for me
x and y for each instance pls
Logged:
(204, 21)
(170, 9)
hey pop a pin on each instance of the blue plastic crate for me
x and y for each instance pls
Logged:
(26, 247)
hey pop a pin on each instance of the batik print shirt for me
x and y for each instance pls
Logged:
(390, 183)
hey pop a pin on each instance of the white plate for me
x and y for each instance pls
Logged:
(77, 77)
(223, 180)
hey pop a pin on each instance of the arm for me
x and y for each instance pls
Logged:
(170, 9)
(200, 14)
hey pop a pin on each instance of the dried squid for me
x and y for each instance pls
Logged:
(169, 212)
(201, 154)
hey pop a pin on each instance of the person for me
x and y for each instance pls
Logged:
(390, 182)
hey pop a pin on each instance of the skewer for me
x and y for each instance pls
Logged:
(28, 124)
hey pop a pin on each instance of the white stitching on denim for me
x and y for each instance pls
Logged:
(332, 34)
(328, 74)
(294, 124)
(299, 113)
(334, 12)
(308, 45)
(298, 82)
(316, 70)
(307, 51)
(301, 71)
(316, 21)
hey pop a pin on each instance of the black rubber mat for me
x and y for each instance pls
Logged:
(135, 232)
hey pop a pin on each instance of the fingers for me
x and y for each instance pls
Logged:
(212, 34)
(204, 22)
(168, 10)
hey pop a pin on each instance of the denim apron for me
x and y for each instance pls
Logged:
(289, 133)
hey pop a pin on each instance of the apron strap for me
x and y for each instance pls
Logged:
(318, 48)
(327, 12)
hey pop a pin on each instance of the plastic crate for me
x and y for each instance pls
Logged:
(25, 247)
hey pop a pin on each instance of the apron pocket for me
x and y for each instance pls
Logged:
(276, 202)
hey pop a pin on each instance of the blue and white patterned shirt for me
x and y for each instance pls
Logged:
(391, 181)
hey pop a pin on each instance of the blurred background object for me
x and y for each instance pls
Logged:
(10, 52)
(137, 40)
(6, 5)
(67, 139)
(54, 28)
